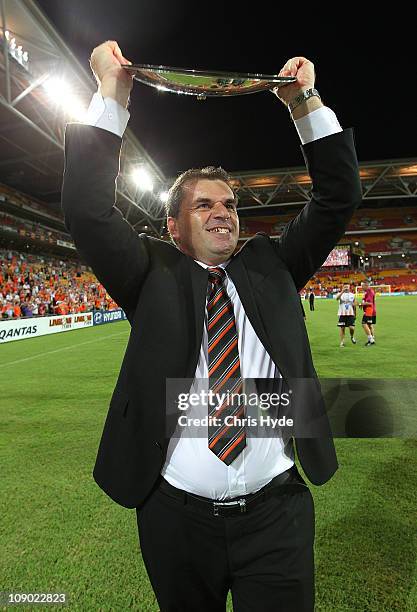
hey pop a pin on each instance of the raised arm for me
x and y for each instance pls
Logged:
(104, 239)
(336, 190)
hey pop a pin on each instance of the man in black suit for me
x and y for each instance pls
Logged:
(224, 511)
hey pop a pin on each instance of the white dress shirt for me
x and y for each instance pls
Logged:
(190, 465)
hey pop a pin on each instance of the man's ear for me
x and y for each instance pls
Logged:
(172, 225)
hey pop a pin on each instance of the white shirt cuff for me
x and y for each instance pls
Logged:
(107, 114)
(317, 124)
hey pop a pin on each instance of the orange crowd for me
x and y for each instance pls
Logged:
(33, 285)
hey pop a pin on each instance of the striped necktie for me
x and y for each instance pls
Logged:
(225, 441)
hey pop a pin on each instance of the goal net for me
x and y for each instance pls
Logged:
(377, 288)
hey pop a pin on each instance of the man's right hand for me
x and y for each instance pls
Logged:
(114, 81)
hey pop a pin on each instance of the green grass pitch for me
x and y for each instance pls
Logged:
(60, 533)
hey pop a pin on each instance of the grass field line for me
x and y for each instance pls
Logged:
(64, 348)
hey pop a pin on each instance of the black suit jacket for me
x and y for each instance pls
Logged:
(163, 293)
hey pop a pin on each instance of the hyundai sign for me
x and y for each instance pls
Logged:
(108, 316)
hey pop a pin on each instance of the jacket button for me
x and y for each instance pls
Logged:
(158, 445)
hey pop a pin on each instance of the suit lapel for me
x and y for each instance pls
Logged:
(195, 292)
(239, 275)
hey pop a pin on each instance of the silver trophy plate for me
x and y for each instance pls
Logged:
(204, 83)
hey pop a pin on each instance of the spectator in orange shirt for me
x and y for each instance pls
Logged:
(61, 308)
(8, 310)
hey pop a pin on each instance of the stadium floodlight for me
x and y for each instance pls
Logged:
(16, 51)
(163, 196)
(56, 88)
(59, 91)
(142, 179)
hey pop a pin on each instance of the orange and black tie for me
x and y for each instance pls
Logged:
(225, 441)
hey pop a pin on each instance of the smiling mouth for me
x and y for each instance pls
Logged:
(219, 230)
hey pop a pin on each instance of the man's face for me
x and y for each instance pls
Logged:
(207, 226)
(346, 287)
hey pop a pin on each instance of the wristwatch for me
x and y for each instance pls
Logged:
(304, 95)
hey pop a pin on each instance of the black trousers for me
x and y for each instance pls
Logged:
(265, 557)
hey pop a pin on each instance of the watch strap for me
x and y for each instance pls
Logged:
(302, 97)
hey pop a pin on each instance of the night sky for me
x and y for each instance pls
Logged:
(366, 72)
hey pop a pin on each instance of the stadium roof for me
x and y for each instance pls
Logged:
(32, 122)
(264, 192)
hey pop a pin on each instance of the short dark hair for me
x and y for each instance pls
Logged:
(176, 192)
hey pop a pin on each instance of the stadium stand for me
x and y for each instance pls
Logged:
(34, 230)
(41, 275)
(329, 281)
(383, 218)
(364, 220)
(390, 243)
(34, 285)
(21, 201)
